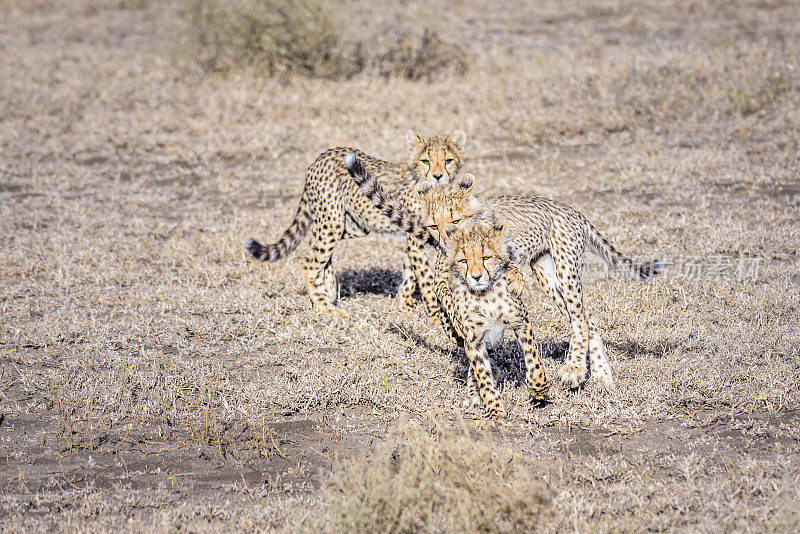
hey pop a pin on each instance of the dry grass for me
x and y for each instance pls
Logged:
(441, 483)
(300, 36)
(276, 35)
(153, 378)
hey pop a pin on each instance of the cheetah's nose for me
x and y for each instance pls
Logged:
(477, 277)
(437, 176)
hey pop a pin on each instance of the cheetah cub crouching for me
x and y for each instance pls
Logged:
(486, 288)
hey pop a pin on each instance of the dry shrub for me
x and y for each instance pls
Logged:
(442, 483)
(300, 36)
(277, 35)
(403, 56)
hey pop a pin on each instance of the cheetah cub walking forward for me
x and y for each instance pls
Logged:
(479, 289)
(486, 288)
(549, 236)
(333, 209)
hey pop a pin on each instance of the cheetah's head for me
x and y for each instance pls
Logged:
(435, 159)
(478, 255)
(449, 207)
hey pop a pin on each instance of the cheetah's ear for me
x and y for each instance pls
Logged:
(466, 182)
(423, 188)
(511, 253)
(412, 139)
(458, 139)
(498, 227)
(455, 233)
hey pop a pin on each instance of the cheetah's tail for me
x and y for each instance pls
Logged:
(623, 264)
(398, 214)
(288, 241)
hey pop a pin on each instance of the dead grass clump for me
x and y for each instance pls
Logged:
(276, 35)
(418, 482)
(404, 56)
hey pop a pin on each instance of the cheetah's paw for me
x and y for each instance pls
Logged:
(604, 380)
(471, 404)
(572, 375)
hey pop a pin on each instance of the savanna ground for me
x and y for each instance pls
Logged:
(154, 378)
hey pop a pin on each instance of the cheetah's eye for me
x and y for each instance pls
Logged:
(448, 161)
(462, 261)
(433, 227)
(426, 162)
(456, 221)
(487, 258)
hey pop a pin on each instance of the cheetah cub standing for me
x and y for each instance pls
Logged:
(479, 289)
(334, 209)
(486, 288)
(549, 236)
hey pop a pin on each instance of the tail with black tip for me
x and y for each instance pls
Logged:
(289, 240)
(398, 214)
(624, 265)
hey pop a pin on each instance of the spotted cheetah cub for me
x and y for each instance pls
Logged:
(332, 209)
(477, 305)
(486, 288)
(549, 236)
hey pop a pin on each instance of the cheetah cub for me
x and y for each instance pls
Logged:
(486, 288)
(332, 209)
(550, 237)
(479, 289)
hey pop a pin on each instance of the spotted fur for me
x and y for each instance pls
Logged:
(485, 290)
(332, 209)
(549, 236)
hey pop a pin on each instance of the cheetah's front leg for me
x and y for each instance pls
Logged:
(473, 399)
(405, 293)
(424, 279)
(443, 293)
(482, 369)
(535, 376)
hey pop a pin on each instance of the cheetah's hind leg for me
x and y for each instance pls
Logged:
(327, 229)
(599, 367)
(551, 279)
